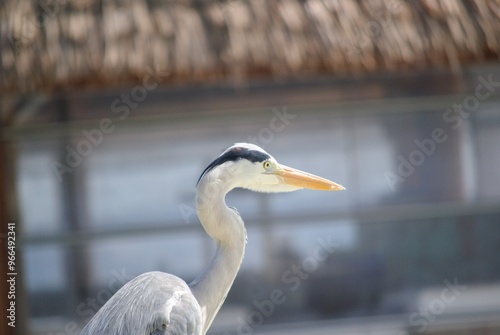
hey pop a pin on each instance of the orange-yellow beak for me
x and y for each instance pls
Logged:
(303, 179)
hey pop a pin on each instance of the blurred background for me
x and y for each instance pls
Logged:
(110, 111)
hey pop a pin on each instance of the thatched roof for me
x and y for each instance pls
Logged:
(67, 44)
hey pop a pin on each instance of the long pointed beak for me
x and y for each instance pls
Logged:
(303, 179)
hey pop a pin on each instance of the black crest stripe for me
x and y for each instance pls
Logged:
(234, 155)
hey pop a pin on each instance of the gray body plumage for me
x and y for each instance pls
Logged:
(166, 303)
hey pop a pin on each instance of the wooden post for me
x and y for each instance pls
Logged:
(7, 215)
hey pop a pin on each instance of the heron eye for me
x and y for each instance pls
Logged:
(267, 165)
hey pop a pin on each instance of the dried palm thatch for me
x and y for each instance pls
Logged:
(67, 44)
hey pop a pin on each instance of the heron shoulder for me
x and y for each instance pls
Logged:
(151, 303)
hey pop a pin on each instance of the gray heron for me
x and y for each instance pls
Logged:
(157, 303)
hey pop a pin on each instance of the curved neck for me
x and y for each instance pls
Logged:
(226, 227)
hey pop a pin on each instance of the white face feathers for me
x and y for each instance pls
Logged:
(249, 166)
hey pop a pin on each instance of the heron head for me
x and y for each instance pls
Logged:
(249, 166)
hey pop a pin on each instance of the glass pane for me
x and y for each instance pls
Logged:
(38, 187)
(488, 152)
(45, 267)
(182, 254)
